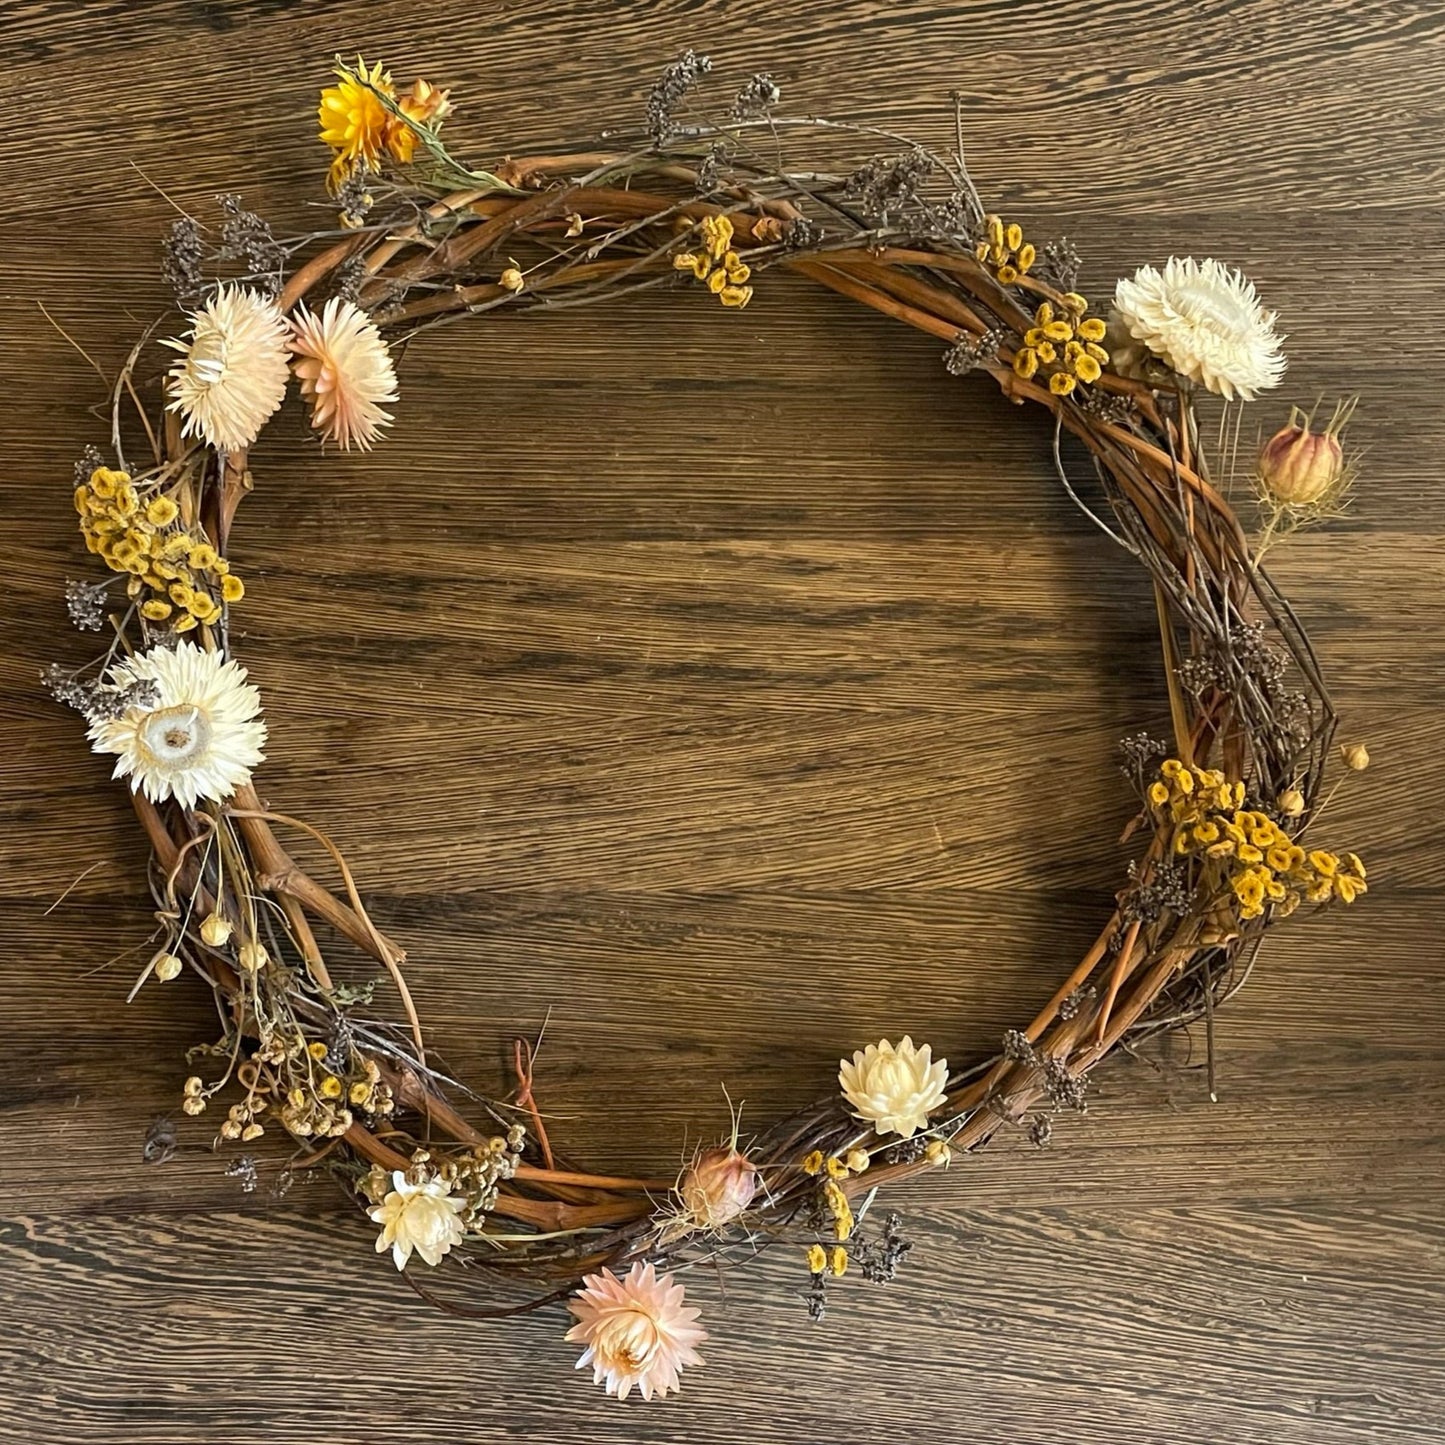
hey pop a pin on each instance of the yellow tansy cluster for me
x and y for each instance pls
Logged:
(1063, 344)
(829, 1170)
(723, 271)
(310, 1090)
(359, 127)
(186, 579)
(321, 1104)
(1259, 863)
(1004, 250)
(832, 1261)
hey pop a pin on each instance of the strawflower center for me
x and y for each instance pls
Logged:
(630, 1339)
(175, 735)
(207, 357)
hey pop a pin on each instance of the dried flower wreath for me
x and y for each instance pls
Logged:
(706, 205)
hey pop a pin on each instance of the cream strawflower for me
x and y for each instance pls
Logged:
(420, 1217)
(345, 370)
(1202, 319)
(199, 734)
(894, 1090)
(637, 1331)
(233, 374)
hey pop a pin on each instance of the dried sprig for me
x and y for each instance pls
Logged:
(682, 76)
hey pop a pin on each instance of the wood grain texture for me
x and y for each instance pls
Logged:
(748, 676)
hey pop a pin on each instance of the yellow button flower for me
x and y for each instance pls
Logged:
(1348, 888)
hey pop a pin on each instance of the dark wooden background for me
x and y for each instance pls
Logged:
(739, 688)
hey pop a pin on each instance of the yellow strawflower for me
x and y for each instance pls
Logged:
(353, 119)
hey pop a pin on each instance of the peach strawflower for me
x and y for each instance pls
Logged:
(425, 104)
(232, 373)
(637, 1331)
(345, 371)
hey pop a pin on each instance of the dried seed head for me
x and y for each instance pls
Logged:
(215, 930)
(717, 1187)
(1356, 756)
(167, 966)
(1300, 466)
(253, 957)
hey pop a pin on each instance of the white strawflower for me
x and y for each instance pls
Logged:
(894, 1089)
(345, 371)
(1203, 320)
(197, 735)
(233, 370)
(420, 1217)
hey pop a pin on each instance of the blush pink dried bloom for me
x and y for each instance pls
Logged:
(345, 371)
(637, 1331)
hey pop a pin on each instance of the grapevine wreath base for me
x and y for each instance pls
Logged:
(707, 208)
